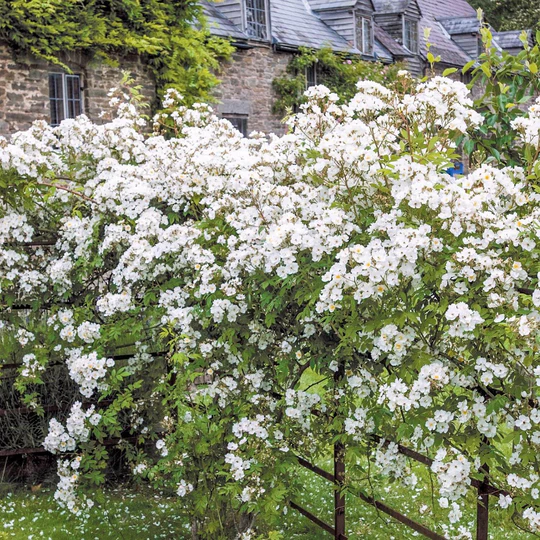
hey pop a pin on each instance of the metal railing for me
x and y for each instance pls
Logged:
(338, 531)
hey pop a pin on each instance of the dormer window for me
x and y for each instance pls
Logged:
(256, 19)
(479, 45)
(364, 34)
(410, 35)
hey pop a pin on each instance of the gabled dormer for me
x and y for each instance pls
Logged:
(363, 21)
(465, 31)
(400, 19)
(252, 16)
(352, 19)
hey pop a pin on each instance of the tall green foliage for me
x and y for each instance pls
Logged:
(510, 14)
(169, 34)
(504, 86)
(338, 72)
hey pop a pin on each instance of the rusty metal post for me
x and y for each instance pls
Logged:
(339, 474)
(339, 497)
(482, 507)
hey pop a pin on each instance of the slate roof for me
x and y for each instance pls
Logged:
(294, 24)
(220, 25)
(390, 6)
(441, 43)
(381, 53)
(445, 9)
(510, 40)
(461, 25)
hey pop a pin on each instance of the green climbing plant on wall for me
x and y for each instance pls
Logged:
(170, 35)
(338, 72)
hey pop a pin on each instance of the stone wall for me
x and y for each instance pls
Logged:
(100, 78)
(24, 86)
(246, 87)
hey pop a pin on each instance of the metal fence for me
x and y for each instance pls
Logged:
(483, 489)
(28, 431)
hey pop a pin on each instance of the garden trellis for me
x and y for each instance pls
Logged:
(338, 479)
(338, 531)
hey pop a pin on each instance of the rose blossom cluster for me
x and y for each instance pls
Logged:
(65, 438)
(87, 370)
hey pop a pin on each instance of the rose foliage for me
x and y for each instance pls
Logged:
(193, 284)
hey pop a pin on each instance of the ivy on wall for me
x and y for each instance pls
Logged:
(170, 35)
(338, 72)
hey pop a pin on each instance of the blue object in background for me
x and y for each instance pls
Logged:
(456, 169)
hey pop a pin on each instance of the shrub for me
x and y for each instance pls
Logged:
(193, 282)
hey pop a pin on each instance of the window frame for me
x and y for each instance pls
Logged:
(479, 45)
(66, 104)
(311, 80)
(361, 23)
(239, 121)
(414, 23)
(254, 6)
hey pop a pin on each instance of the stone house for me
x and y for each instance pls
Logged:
(268, 32)
(266, 35)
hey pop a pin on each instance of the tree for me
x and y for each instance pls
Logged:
(510, 14)
(192, 283)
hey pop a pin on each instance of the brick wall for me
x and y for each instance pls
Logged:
(24, 86)
(246, 87)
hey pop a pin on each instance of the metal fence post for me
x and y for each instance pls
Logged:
(339, 473)
(482, 507)
(339, 497)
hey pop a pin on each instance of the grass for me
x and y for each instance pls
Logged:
(123, 515)
(126, 514)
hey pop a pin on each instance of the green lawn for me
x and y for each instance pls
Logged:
(124, 515)
(132, 515)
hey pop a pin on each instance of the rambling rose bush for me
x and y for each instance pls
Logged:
(191, 282)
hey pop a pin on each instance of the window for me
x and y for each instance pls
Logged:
(256, 26)
(311, 76)
(65, 96)
(364, 35)
(410, 35)
(239, 122)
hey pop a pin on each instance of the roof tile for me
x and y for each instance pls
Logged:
(461, 25)
(294, 24)
(441, 43)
